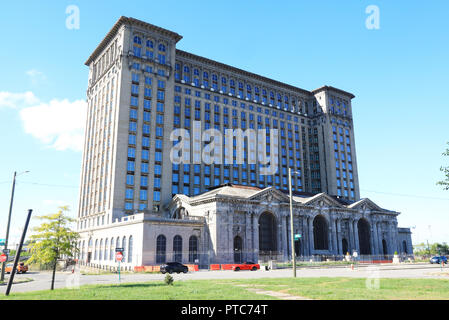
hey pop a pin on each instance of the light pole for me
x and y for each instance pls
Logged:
(2, 277)
(291, 220)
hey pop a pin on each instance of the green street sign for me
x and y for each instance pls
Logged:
(297, 236)
(2, 242)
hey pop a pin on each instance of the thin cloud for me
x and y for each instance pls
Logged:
(58, 124)
(17, 100)
(36, 76)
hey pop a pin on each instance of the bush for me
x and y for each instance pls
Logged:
(169, 280)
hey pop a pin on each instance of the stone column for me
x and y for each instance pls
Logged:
(372, 240)
(351, 236)
(394, 230)
(305, 236)
(247, 245)
(334, 236)
(380, 237)
(284, 237)
(339, 240)
(310, 232)
(375, 238)
(230, 245)
(356, 237)
(255, 226)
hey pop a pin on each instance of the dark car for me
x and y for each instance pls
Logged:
(171, 267)
(438, 259)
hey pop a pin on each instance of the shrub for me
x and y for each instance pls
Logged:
(169, 280)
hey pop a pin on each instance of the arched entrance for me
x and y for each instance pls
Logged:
(238, 248)
(267, 234)
(404, 247)
(364, 236)
(320, 233)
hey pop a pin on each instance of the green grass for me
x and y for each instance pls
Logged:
(314, 288)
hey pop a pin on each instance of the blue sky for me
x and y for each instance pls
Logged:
(398, 73)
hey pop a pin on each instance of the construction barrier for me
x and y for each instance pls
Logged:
(226, 266)
(192, 267)
(139, 269)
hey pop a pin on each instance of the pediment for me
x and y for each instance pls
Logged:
(270, 195)
(323, 200)
(365, 204)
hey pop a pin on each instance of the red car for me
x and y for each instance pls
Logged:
(245, 266)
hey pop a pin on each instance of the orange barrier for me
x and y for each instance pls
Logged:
(139, 269)
(214, 267)
(226, 266)
(192, 267)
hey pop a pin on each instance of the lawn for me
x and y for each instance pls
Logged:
(314, 288)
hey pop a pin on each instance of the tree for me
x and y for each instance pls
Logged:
(53, 239)
(445, 170)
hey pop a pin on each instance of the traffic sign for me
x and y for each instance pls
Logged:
(3, 257)
(118, 256)
(2, 242)
(297, 236)
(6, 251)
(119, 250)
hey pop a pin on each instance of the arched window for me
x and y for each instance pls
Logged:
(111, 250)
(149, 44)
(193, 249)
(320, 233)
(100, 253)
(137, 40)
(344, 245)
(267, 233)
(106, 250)
(130, 249)
(161, 48)
(384, 247)
(186, 69)
(96, 250)
(161, 242)
(238, 247)
(124, 249)
(177, 248)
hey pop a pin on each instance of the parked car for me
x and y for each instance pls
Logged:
(21, 268)
(171, 267)
(438, 259)
(245, 266)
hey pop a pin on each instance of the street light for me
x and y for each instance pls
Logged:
(2, 277)
(291, 219)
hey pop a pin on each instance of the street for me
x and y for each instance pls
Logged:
(42, 280)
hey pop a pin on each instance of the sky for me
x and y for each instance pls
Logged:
(397, 66)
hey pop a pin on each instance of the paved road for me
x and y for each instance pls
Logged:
(41, 280)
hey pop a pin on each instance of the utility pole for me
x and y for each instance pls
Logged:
(291, 222)
(2, 277)
(19, 249)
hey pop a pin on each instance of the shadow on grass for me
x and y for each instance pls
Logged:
(127, 285)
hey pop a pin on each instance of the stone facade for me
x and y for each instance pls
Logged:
(141, 88)
(239, 223)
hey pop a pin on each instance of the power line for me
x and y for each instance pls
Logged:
(405, 195)
(48, 185)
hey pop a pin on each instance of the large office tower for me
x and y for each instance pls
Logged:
(141, 88)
